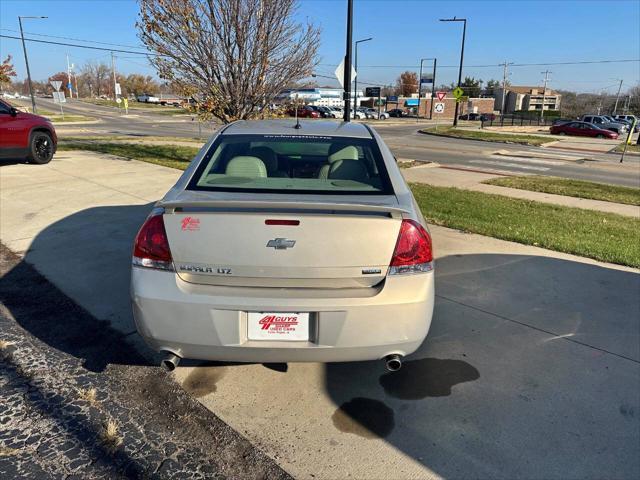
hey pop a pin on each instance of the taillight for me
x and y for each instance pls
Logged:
(151, 247)
(413, 252)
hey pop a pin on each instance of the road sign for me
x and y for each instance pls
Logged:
(340, 73)
(392, 98)
(118, 90)
(58, 97)
(372, 92)
(463, 98)
(457, 92)
(118, 100)
(441, 95)
(438, 107)
(69, 86)
(56, 84)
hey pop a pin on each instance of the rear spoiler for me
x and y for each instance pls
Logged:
(275, 206)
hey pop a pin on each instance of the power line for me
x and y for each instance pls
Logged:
(75, 39)
(586, 62)
(83, 46)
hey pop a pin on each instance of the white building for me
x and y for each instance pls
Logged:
(322, 97)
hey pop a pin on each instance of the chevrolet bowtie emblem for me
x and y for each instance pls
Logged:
(281, 243)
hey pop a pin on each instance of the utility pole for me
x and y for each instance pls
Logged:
(433, 89)
(544, 92)
(26, 61)
(69, 78)
(113, 69)
(464, 33)
(347, 64)
(505, 75)
(615, 107)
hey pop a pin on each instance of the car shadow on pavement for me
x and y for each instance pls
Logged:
(530, 364)
(85, 259)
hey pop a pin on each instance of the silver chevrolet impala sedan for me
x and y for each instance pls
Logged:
(286, 242)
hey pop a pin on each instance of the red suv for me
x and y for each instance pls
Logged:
(26, 136)
(304, 112)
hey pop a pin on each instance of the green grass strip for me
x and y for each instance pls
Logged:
(571, 188)
(602, 236)
(173, 156)
(487, 136)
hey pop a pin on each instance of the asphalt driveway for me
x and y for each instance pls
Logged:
(531, 369)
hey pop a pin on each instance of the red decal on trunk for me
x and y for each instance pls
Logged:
(190, 224)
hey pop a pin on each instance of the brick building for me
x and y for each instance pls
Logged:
(473, 105)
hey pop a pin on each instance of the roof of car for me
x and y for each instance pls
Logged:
(329, 128)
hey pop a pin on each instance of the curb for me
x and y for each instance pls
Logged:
(476, 139)
(544, 156)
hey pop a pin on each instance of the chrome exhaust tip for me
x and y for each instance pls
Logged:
(170, 362)
(393, 362)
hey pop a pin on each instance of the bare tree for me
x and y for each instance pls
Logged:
(97, 76)
(234, 55)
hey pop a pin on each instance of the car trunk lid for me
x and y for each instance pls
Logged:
(285, 244)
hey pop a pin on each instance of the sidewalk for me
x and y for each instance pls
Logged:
(512, 312)
(447, 177)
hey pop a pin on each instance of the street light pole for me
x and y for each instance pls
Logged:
(433, 86)
(347, 64)
(26, 61)
(464, 33)
(355, 80)
(615, 108)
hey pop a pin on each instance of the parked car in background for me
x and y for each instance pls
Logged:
(396, 112)
(582, 129)
(146, 98)
(603, 122)
(336, 112)
(278, 247)
(487, 117)
(25, 135)
(628, 118)
(560, 121)
(626, 121)
(469, 116)
(323, 111)
(305, 111)
(360, 113)
(373, 113)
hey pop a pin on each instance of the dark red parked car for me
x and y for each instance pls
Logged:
(26, 136)
(304, 112)
(582, 129)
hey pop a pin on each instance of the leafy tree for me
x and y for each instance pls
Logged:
(62, 77)
(492, 86)
(6, 72)
(407, 83)
(137, 84)
(236, 55)
(471, 86)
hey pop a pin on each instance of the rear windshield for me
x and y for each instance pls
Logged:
(293, 163)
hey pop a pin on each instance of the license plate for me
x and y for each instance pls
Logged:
(278, 326)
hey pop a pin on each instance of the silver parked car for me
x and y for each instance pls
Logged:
(283, 244)
(603, 122)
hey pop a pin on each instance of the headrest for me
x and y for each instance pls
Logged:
(267, 156)
(246, 166)
(339, 152)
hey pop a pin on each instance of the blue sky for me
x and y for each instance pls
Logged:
(403, 31)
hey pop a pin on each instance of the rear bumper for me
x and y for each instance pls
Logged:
(210, 323)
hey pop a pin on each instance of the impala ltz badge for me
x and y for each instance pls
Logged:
(281, 243)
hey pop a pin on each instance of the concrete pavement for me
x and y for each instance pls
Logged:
(530, 370)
